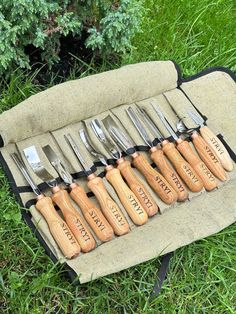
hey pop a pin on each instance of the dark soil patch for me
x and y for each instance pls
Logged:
(69, 47)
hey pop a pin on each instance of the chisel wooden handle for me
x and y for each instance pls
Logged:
(209, 157)
(169, 173)
(93, 215)
(144, 197)
(198, 165)
(217, 146)
(126, 196)
(159, 184)
(74, 220)
(109, 208)
(183, 168)
(58, 228)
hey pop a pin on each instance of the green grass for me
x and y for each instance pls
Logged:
(202, 276)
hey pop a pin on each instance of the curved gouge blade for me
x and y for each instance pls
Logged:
(88, 145)
(139, 126)
(57, 164)
(25, 173)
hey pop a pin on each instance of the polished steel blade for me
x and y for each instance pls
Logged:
(164, 121)
(139, 126)
(120, 137)
(77, 152)
(25, 173)
(88, 145)
(150, 124)
(109, 146)
(32, 157)
(196, 118)
(57, 164)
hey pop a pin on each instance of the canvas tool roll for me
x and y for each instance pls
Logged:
(46, 117)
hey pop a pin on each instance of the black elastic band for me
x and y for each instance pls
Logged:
(161, 275)
(30, 203)
(1, 141)
(229, 149)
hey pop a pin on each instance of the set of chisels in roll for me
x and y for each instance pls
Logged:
(180, 168)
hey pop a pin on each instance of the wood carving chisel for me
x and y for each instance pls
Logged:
(136, 186)
(109, 208)
(128, 199)
(184, 169)
(57, 226)
(184, 147)
(62, 199)
(156, 152)
(158, 183)
(211, 150)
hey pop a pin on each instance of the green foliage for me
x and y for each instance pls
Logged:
(110, 26)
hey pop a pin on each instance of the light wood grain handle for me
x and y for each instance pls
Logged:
(209, 157)
(127, 197)
(169, 174)
(109, 208)
(218, 147)
(198, 165)
(158, 183)
(58, 228)
(183, 168)
(92, 214)
(74, 220)
(144, 197)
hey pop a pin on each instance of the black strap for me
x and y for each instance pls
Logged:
(229, 149)
(161, 275)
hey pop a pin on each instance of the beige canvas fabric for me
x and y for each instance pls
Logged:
(80, 99)
(112, 92)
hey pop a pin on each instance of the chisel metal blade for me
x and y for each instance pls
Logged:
(150, 124)
(165, 121)
(25, 173)
(119, 137)
(88, 145)
(139, 126)
(87, 167)
(107, 143)
(32, 157)
(57, 164)
(196, 118)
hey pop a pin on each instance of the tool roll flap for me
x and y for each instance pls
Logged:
(45, 118)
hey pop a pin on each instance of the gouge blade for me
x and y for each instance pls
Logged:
(109, 146)
(139, 126)
(32, 157)
(150, 124)
(88, 145)
(165, 121)
(57, 164)
(25, 173)
(196, 118)
(120, 137)
(75, 148)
